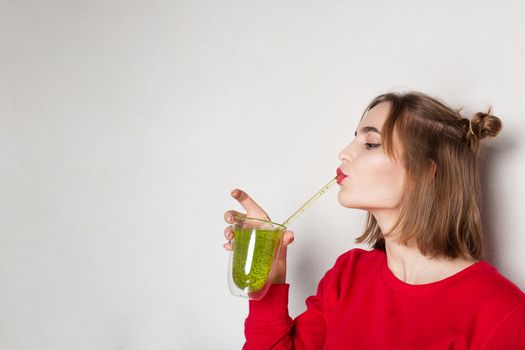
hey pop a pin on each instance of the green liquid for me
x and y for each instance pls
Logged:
(265, 244)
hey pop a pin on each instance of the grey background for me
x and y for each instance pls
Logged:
(125, 124)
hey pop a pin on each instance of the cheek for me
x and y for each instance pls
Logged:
(376, 180)
(388, 175)
(379, 169)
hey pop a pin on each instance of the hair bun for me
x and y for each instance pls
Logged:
(485, 124)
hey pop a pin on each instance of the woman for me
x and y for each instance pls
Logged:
(413, 167)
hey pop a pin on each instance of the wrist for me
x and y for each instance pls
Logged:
(279, 276)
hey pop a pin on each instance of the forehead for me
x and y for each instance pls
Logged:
(376, 116)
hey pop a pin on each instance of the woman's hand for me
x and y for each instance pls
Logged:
(253, 210)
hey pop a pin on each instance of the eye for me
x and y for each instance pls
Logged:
(372, 145)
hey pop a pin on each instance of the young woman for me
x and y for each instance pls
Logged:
(413, 167)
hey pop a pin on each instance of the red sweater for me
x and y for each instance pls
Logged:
(360, 304)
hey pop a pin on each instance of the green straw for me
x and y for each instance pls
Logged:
(310, 202)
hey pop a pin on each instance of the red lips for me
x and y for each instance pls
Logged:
(340, 176)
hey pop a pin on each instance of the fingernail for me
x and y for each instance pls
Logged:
(234, 193)
(228, 217)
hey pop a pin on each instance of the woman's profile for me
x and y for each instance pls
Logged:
(424, 283)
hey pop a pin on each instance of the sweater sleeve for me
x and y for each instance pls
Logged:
(510, 334)
(269, 325)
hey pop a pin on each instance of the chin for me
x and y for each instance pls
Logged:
(354, 203)
(347, 202)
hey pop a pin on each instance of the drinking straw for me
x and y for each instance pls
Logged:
(310, 202)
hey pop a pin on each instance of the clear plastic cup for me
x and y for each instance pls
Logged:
(255, 249)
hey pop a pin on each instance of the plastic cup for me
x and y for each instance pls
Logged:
(255, 249)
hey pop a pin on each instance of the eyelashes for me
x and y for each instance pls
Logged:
(372, 145)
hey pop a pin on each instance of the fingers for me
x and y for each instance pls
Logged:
(230, 215)
(253, 210)
(248, 204)
(228, 246)
(228, 234)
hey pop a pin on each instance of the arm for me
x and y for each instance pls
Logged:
(269, 325)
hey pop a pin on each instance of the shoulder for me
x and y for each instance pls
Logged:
(360, 256)
(502, 306)
(496, 290)
(357, 260)
(352, 268)
(489, 300)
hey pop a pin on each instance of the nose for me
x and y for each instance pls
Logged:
(345, 155)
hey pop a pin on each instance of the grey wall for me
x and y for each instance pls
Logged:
(125, 124)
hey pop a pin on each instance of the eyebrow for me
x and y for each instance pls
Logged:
(367, 129)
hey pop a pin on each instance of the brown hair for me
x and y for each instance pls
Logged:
(439, 209)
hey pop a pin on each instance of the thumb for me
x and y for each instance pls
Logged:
(288, 238)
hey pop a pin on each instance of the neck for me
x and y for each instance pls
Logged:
(407, 262)
(409, 265)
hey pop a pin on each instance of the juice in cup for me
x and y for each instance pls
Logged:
(256, 246)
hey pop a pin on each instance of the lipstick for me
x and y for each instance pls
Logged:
(340, 176)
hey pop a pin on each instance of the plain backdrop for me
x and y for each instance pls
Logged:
(125, 124)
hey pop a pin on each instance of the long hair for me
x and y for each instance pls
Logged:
(439, 149)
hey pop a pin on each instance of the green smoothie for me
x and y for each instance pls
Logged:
(264, 244)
